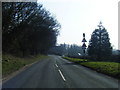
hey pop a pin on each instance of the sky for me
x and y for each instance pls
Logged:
(83, 16)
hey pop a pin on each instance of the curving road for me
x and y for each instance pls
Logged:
(56, 72)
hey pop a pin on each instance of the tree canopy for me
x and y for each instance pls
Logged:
(99, 45)
(28, 28)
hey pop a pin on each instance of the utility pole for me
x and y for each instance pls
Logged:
(84, 45)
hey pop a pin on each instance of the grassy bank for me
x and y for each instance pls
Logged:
(75, 59)
(11, 63)
(109, 68)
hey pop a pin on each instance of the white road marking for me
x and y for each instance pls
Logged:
(62, 75)
(56, 65)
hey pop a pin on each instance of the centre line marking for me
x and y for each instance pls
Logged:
(56, 65)
(62, 75)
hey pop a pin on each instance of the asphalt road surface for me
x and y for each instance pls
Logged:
(56, 72)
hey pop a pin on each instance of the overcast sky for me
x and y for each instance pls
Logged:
(82, 16)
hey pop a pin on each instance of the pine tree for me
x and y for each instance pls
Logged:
(99, 47)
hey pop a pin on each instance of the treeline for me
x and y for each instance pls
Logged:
(98, 49)
(67, 50)
(27, 28)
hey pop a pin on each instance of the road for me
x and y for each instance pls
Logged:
(56, 72)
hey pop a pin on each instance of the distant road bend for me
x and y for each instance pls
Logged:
(56, 72)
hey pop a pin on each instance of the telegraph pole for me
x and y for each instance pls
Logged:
(84, 45)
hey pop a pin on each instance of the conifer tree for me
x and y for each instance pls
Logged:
(99, 47)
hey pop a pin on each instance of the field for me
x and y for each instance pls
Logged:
(109, 68)
(11, 63)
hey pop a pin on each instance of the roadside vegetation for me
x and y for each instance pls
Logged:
(28, 31)
(28, 28)
(109, 68)
(11, 63)
(75, 59)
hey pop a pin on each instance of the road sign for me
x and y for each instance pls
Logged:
(84, 40)
(83, 34)
(84, 46)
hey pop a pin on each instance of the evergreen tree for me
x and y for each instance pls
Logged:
(99, 47)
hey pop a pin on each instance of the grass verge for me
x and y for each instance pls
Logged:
(11, 63)
(75, 59)
(109, 68)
